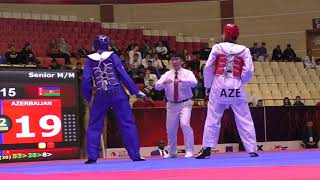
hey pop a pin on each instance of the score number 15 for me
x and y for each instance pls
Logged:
(5, 92)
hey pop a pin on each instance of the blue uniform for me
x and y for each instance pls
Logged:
(106, 70)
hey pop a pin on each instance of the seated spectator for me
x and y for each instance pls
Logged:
(317, 66)
(149, 76)
(157, 63)
(12, 57)
(125, 64)
(309, 60)
(54, 64)
(65, 50)
(146, 60)
(254, 51)
(133, 52)
(145, 49)
(54, 51)
(140, 78)
(310, 136)
(260, 103)
(161, 150)
(250, 104)
(286, 102)
(149, 87)
(297, 102)
(289, 54)
(262, 52)
(194, 64)
(161, 50)
(186, 56)
(135, 65)
(131, 45)
(53, 47)
(114, 48)
(277, 54)
(27, 56)
(79, 71)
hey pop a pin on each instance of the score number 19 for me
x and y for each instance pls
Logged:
(43, 122)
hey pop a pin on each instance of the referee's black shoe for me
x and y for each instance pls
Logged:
(253, 154)
(204, 153)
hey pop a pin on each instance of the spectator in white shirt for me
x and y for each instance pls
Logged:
(178, 84)
(134, 51)
(186, 55)
(157, 62)
(149, 76)
(309, 61)
(161, 50)
(135, 64)
(146, 60)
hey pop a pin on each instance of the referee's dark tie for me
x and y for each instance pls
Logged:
(176, 88)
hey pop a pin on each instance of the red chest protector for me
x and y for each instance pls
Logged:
(221, 63)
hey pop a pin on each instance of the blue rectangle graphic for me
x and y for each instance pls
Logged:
(50, 88)
(1, 140)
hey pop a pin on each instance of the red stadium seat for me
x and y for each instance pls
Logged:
(60, 61)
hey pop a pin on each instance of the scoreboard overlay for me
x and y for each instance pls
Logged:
(39, 117)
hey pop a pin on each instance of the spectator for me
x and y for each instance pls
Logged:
(131, 45)
(260, 103)
(286, 102)
(309, 61)
(161, 50)
(135, 65)
(152, 68)
(27, 56)
(149, 87)
(310, 136)
(145, 49)
(157, 63)
(125, 63)
(54, 51)
(289, 54)
(160, 151)
(65, 50)
(317, 66)
(277, 54)
(298, 102)
(194, 64)
(140, 78)
(54, 64)
(132, 53)
(150, 76)
(250, 104)
(254, 51)
(186, 56)
(262, 52)
(146, 60)
(12, 57)
(115, 48)
(79, 71)
(53, 47)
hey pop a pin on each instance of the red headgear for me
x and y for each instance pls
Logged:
(231, 32)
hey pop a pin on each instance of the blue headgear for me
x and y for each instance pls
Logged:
(101, 42)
